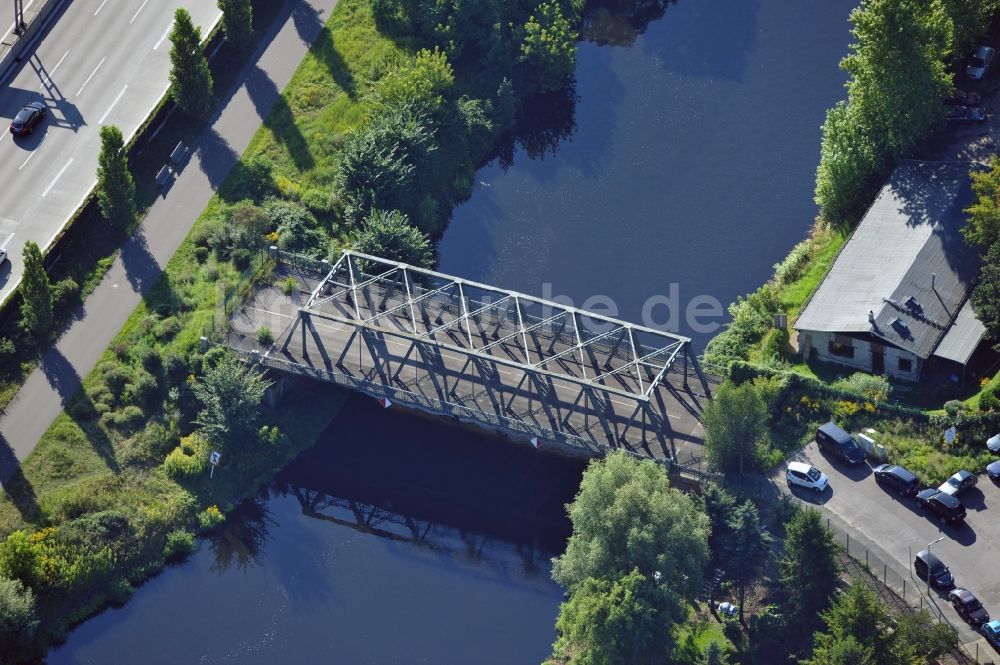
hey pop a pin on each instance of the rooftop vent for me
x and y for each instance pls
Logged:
(913, 305)
(901, 327)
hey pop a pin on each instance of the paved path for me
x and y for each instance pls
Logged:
(141, 261)
(100, 62)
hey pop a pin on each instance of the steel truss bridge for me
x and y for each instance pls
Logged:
(499, 358)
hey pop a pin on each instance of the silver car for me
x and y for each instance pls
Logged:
(979, 62)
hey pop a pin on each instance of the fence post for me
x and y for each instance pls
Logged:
(904, 590)
(848, 544)
(885, 572)
(866, 558)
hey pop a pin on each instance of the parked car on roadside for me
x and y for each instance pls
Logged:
(991, 631)
(897, 479)
(993, 443)
(968, 606)
(840, 443)
(945, 506)
(993, 470)
(928, 566)
(979, 62)
(964, 115)
(958, 483)
(807, 476)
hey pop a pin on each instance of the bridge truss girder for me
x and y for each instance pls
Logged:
(565, 361)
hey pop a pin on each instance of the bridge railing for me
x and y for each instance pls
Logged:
(402, 396)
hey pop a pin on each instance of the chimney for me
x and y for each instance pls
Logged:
(933, 279)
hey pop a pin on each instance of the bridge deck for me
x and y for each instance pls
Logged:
(435, 372)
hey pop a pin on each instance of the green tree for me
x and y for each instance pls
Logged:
(719, 505)
(231, 393)
(735, 422)
(389, 235)
(714, 655)
(237, 21)
(626, 517)
(748, 545)
(986, 295)
(426, 83)
(982, 227)
(18, 621)
(858, 613)
(115, 185)
(897, 68)
(190, 78)
(843, 651)
(36, 309)
(850, 162)
(810, 569)
(548, 49)
(609, 622)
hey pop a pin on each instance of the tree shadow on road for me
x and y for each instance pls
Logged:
(141, 267)
(278, 117)
(18, 488)
(216, 157)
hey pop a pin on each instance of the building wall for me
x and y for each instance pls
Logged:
(817, 345)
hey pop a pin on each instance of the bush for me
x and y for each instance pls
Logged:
(144, 390)
(189, 459)
(790, 269)
(265, 337)
(179, 544)
(210, 518)
(289, 286)
(201, 254)
(242, 258)
(212, 357)
(298, 230)
(64, 292)
(251, 179)
(953, 406)
(873, 387)
(18, 621)
(175, 369)
(149, 358)
(167, 328)
(389, 234)
(7, 349)
(126, 420)
(115, 376)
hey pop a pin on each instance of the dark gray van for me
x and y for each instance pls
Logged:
(927, 565)
(840, 443)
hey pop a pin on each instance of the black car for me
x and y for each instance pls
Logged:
(897, 478)
(840, 443)
(928, 567)
(964, 115)
(993, 470)
(968, 606)
(27, 118)
(946, 507)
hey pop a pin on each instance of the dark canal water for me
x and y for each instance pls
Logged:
(691, 163)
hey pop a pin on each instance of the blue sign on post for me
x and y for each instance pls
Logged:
(213, 459)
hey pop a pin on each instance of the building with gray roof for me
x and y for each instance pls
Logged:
(896, 300)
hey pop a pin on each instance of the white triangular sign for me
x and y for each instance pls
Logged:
(384, 401)
(535, 442)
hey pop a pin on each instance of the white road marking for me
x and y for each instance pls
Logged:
(165, 35)
(30, 155)
(136, 15)
(117, 99)
(7, 241)
(49, 74)
(100, 8)
(58, 175)
(90, 77)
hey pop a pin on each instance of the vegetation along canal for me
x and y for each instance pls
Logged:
(689, 159)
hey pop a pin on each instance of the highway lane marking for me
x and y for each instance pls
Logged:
(100, 8)
(141, 7)
(90, 77)
(7, 241)
(117, 99)
(343, 328)
(30, 155)
(49, 74)
(165, 35)
(58, 175)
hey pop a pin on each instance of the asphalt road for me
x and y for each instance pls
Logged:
(141, 261)
(101, 62)
(895, 528)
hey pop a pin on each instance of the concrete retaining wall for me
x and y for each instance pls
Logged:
(14, 47)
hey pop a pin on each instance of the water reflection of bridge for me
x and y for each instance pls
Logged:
(502, 555)
(495, 357)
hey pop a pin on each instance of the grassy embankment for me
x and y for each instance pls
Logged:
(101, 460)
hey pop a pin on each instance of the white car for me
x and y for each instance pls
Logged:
(993, 443)
(806, 475)
(979, 62)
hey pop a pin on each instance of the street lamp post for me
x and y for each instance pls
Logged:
(19, 25)
(938, 540)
